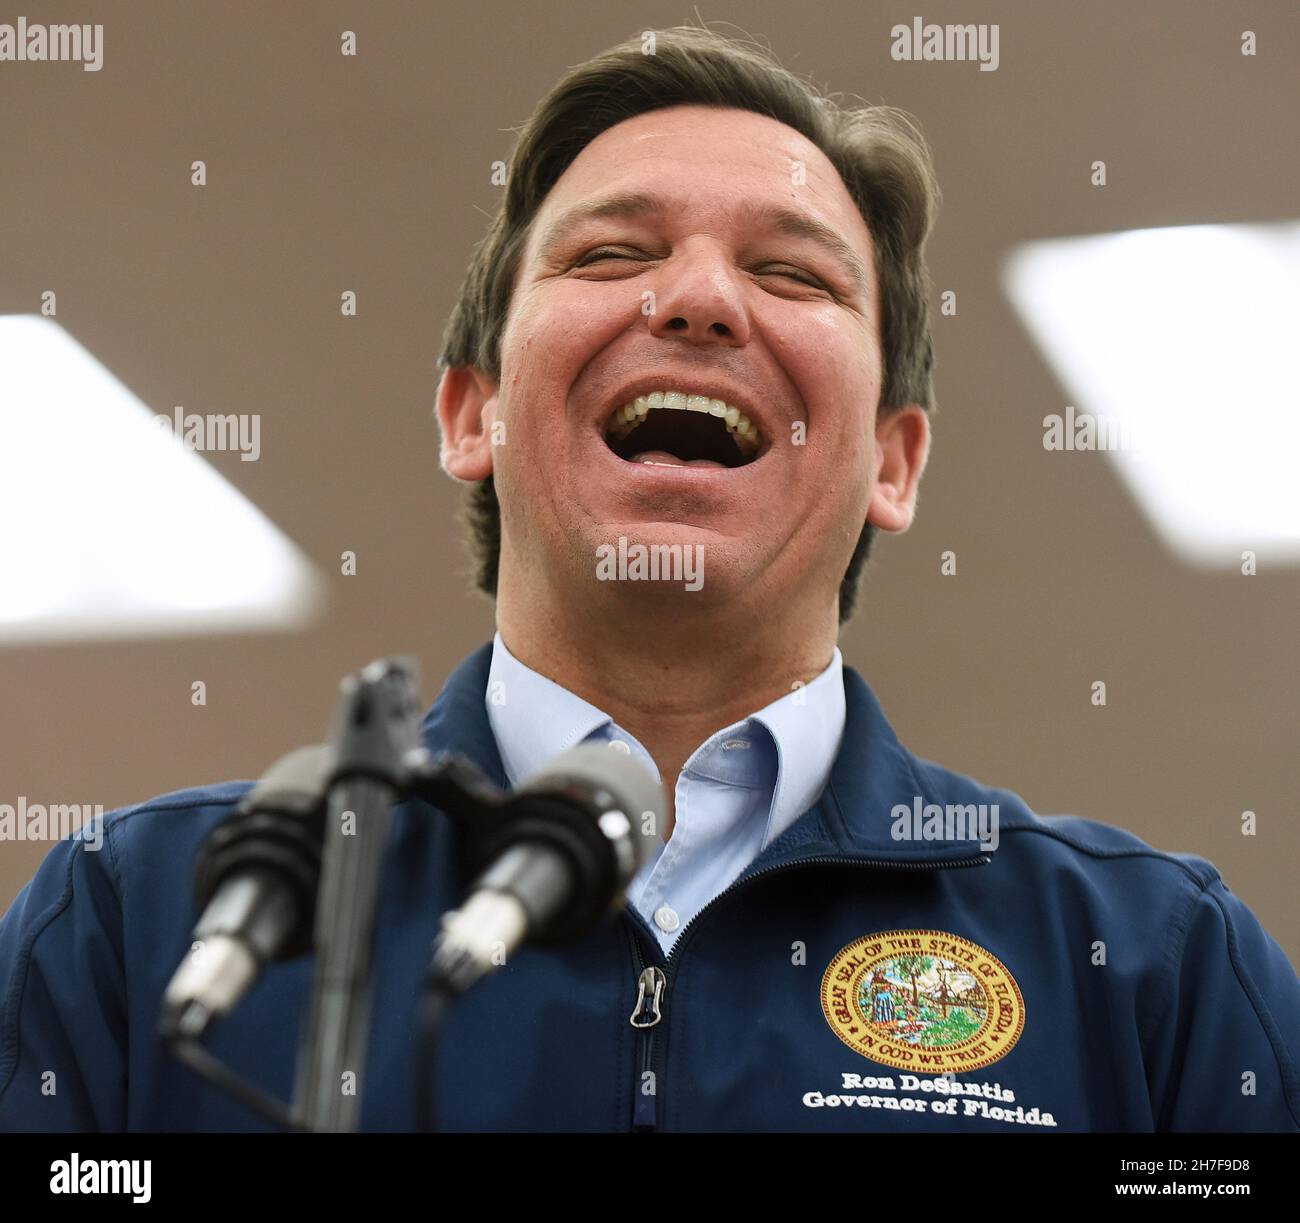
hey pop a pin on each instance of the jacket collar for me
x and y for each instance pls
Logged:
(872, 774)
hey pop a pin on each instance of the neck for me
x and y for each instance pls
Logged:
(671, 678)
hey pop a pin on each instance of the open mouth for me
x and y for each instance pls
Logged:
(675, 429)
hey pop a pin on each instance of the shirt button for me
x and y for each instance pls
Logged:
(666, 919)
(618, 745)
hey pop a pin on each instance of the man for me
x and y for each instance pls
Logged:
(688, 375)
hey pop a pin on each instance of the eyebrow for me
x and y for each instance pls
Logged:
(628, 206)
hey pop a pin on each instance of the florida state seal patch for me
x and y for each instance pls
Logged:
(923, 1000)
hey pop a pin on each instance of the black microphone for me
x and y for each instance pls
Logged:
(570, 840)
(255, 883)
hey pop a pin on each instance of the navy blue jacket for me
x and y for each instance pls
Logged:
(1073, 979)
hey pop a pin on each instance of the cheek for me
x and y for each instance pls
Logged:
(528, 349)
(834, 364)
(533, 366)
(826, 348)
(567, 320)
(551, 335)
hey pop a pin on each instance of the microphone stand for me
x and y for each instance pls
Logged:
(377, 727)
(377, 762)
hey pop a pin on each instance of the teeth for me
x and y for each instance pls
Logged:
(627, 417)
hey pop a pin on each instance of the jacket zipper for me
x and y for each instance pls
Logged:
(653, 981)
(646, 1016)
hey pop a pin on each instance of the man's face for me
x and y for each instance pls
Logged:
(710, 295)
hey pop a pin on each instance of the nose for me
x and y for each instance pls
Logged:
(699, 298)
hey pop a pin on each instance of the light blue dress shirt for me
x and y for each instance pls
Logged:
(739, 791)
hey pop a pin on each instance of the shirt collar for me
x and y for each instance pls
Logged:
(807, 726)
(534, 719)
(872, 773)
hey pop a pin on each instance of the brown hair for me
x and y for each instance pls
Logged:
(878, 151)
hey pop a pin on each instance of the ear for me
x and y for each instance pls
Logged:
(902, 447)
(467, 400)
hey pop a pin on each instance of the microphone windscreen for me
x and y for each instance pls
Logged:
(597, 767)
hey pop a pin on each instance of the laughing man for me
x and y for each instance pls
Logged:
(700, 322)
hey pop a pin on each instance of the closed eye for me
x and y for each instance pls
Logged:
(795, 274)
(603, 253)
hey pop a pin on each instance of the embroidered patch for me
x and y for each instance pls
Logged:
(923, 1000)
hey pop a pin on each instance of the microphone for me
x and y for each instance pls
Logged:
(570, 840)
(255, 883)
